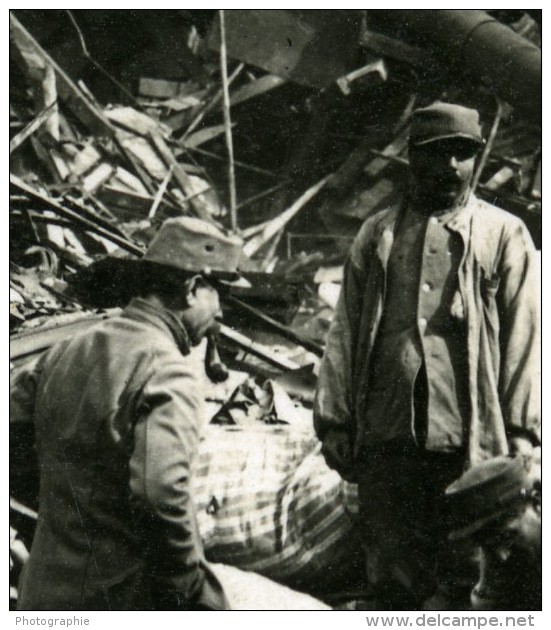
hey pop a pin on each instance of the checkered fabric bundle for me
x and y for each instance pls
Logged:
(268, 503)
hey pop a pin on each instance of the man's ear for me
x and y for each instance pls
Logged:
(191, 287)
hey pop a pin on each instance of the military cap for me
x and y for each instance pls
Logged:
(484, 493)
(193, 245)
(442, 121)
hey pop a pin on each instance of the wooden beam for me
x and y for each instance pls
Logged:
(277, 224)
(284, 331)
(33, 126)
(197, 203)
(227, 121)
(94, 224)
(250, 346)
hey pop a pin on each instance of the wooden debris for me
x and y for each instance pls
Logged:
(277, 224)
(94, 224)
(227, 121)
(199, 205)
(80, 161)
(378, 67)
(245, 343)
(33, 126)
(488, 146)
(163, 89)
(392, 150)
(159, 195)
(132, 120)
(144, 153)
(214, 102)
(36, 58)
(256, 88)
(204, 135)
(99, 176)
(505, 174)
(284, 331)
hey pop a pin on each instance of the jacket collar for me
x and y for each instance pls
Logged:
(459, 221)
(141, 310)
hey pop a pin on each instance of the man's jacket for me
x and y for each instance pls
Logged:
(498, 287)
(116, 414)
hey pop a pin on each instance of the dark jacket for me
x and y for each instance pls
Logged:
(116, 413)
(498, 290)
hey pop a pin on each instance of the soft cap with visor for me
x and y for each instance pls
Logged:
(442, 121)
(484, 493)
(193, 245)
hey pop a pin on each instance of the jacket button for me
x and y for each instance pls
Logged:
(422, 324)
(426, 287)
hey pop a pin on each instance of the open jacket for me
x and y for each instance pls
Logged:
(116, 412)
(498, 286)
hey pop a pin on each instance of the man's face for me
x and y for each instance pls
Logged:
(442, 171)
(519, 533)
(203, 311)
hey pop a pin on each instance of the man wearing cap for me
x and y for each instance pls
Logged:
(431, 362)
(497, 505)
(117, 413)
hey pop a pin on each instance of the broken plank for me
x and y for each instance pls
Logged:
(281, 221)
(95, 224)
(29, 129)
(204, 135)
(245, 343)
(132, 204)
(284, 331)
(132, 120)
(139, 171)
(198, 204)
(500, 178)
(47, 95)
(160, 193)
(216, 99)
(392, 150)
(81, 161)
(97, 177)
(162, 88)
(256, 88)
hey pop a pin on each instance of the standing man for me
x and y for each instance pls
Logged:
(117, 411)
(432, 359)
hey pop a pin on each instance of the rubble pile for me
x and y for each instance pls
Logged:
(110, 136)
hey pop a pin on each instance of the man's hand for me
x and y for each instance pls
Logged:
(338, 454)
